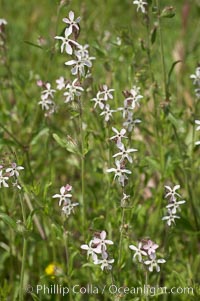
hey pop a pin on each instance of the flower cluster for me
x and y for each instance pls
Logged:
(140, 5)
(80, 63)
(47, 98)
(123, 156)
(102, 96)
(131, 101)
(197, 122)
(147, 249)
(98, 246)
(65, 200)
(10, 173)
(173, 204)
(196, 81)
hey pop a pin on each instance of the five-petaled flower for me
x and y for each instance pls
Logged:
(141, 5)
(63, 196)
(73, 24)
(66, 42)
(125, 153)
(153, 263)
(138, 251)
(14, 170)
(120, 172)
(3, 180)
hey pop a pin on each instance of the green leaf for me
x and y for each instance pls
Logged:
(171, 70)
(40, 134)
(59, 140)
(168, 12)
(32, 44)
(8, 220)
(153, 35)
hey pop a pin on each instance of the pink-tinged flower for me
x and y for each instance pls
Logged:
(140, 5)
(107, 113)
(101, 242)
(91, 251)
(63, 196)
(66, 42)
(170, 218)
(39, 83)
(3, 180)
(68, 187)
(71, 22)
(105, 262)
(98, 101)
(107, 93)
(153, 263)
(14, 170)
(60, 83)
(150, 247)
(119, 135)
(120, 172)
(125, 153)
(172, 192)
(138, 251)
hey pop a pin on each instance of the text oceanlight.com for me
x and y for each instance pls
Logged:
(90, 289)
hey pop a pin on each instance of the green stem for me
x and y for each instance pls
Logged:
(21, 292)
(162, 52)
(146, 285)
(121, 236)
(67, 263)
(82, 163)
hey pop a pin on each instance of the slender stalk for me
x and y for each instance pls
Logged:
(66, 240)
(146, 285)
(162, 51)
(82, 138)
(121, 236)
(21, 292)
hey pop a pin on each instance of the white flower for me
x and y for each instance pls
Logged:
(71, 22)
(130, 123)
(172, 192)
(198, 123)
(14, 170)
(170, 218)
(3, 180)
(107, 112)
(120, 172)
(48, 91)
(3, 22)
(46, 103)
(196, 77)
(197, 92)
(73, 90)
(69, 208)
(105, 262)
(119, 135)
(107, 93)
(60, 83)
(91, 251)
(101, 242)
(175, 205)
(138, 251)
(84, 53)
(133, 99)
(125, 153)
(141, 5)
(66, 42)
(98, 101)
(153, 263)
(63, 196)
(79, 65)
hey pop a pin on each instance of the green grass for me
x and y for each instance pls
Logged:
(165, 142)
